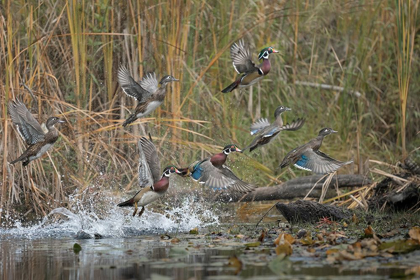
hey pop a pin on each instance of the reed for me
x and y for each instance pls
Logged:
(67, 54)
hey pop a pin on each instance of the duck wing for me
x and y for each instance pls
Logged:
(318, 162)
(129, 85)
(150, 84)
(145, 175)
(28, 127)
(238, 185)
(241, 58)
(152, 158)
(295, 125)
(205, 173)
(259, 125)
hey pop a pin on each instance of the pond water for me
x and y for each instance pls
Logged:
(131, 248)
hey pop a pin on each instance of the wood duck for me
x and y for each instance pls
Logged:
(154, 185)
(309, 157)
(213, 173)
(266, 132)
(147, 92)
(39, 142)
(242, 62)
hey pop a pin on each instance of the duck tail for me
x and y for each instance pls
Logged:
(231, 87)
(129, 202)
(130, 119)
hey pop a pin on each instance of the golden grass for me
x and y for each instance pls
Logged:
(67, 54)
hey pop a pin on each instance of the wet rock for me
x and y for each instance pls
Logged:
(301, 233)
(81, 234)
(98, 236)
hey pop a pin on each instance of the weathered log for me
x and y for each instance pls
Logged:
(310, 211)
(299, 187)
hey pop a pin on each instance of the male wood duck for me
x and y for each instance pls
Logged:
(243, 64)
(213, 173)
(147, 92)
(309, 157)
(39, 142)
(266, 132)
(154, 186)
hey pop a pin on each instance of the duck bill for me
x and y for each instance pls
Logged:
(333, 131)
(61, 121)
(275, 51)
(288, 109)
(175, 79)
(238, 150)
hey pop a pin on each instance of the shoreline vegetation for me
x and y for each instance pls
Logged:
(350, 66)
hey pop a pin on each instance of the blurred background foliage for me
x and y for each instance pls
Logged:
(349, 65)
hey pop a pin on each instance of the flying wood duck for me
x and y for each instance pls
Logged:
(154, 186)
(309, 157)
(147, 92)
(213, 173)
(39, 142)
(243, 64)
(266, 132)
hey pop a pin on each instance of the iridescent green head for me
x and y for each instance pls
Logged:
(265, 53)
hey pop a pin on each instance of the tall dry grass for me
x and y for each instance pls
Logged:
(67, 53)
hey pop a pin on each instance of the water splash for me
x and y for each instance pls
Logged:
(87, 215)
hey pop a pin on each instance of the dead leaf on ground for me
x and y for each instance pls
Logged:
(415, 233)
(369, 232)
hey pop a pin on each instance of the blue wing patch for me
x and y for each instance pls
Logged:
(196, 174)
(302, 162)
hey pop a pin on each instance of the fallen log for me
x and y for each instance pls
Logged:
(306, 211)
(299, 187)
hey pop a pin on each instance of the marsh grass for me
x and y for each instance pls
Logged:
(67, 53)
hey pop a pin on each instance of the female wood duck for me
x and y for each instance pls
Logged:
(309, 157)
(213, 173)
(154, 185)
(266, 132)
(148, 93)
(31, 131)
(242, 62)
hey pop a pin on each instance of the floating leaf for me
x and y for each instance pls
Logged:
(286, 236)
(77, 248)
(175, 240)
(307, 240)
(400, 246)
(253, 244)
(235, 263)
